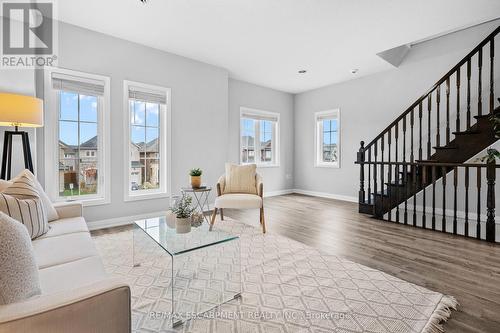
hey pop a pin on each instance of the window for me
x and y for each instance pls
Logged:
(327, 138)
(259, 137)
(147, 128)
(76, 136)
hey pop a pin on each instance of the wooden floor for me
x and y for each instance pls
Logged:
(465, 268)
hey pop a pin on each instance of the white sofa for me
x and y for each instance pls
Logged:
(77, 294)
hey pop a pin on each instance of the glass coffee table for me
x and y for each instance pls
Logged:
(200, 270)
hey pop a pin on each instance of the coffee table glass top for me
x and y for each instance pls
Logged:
(167, 237)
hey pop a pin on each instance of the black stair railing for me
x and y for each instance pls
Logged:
(409, 163)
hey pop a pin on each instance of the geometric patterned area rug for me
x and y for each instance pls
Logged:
(287, 287)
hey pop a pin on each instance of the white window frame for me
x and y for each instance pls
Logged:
(165, 126)
(275, 139)
(51, 139)
(318, 138)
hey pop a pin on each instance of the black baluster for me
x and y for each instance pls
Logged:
(412, 122)
(466, 183)
(443, 219)
(420, 131)
(405, 172)
(375, 185)
(455, 187)
(490, 202)
(429, 109)
(396, 167)
(414, 175)
(389, 176)
(492, 83)
(458, 100)
(480, 83)
(478, 225)
(433, 197)
(447, 110)
(468, 92)
(382, 183)
(369, 175)
(423, 180)
(438, 103)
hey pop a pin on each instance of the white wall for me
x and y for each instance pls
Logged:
(370, 104)
(249, 95)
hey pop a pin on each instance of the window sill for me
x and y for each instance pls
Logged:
(146, 196)
(327, 165)
(87, 202)
(259, 166)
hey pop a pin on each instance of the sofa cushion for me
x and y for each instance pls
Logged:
(240, 179)
(58, 250)
(47, 204)
(238, 201)
(71, 275)
(19, 278)
(66, 226)
(22, 202)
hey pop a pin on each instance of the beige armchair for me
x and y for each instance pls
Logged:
(239, 200)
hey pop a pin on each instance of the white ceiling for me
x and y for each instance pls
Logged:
(267, 41)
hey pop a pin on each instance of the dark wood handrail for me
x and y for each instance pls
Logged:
(434, 87)
(423, 163)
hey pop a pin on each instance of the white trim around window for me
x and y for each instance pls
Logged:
(258, 116)
(165, 149)
(51, 133)
(319, 117)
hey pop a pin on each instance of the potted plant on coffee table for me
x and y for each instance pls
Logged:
(195, 177)
(183, 211)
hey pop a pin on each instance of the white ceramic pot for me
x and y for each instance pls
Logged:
(171, 219)
(183, 226)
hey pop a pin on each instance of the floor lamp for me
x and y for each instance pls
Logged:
(18, 111)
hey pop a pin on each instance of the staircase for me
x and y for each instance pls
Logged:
(415, 172)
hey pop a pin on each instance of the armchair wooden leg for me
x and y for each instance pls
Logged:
(212, 221)
(221, 215)
(262, 220)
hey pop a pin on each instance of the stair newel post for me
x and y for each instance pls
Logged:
(492, 75)
(480, 82)
(438, 126)
(490, 202)
(429, 110)
(458, 100)
(447, 110)
(455, 208)
(389, 176)
(478, 184)
(369, 175)
(420, 131)
(468, 92)
(443, 182)
(433, 197)
(466, 184)
(361, 161)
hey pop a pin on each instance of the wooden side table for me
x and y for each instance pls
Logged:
(201, 196)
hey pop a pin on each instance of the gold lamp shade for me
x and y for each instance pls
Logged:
(20, 110)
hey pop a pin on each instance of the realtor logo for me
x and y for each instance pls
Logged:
(28, 31)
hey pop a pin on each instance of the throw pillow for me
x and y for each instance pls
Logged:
(47, 204)
(28, 210)
(240, 178)
(18, 270)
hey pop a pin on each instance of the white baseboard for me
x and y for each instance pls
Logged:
(326, 195)
(119, 221)
(276, 193)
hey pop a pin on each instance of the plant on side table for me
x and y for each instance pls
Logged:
(195, 177)
(183, 211)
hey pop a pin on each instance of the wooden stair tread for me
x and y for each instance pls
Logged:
(468, 132)
(445, 147)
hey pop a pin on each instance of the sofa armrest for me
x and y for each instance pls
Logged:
(66, 209)
(101, 307)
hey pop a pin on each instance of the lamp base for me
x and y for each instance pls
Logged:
(7, 153)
